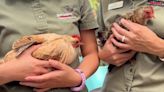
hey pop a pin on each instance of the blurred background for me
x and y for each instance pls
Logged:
(94, 5)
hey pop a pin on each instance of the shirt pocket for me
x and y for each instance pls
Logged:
(111, 14)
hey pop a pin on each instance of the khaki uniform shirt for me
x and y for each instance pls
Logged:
(146, 73)
(26, 17)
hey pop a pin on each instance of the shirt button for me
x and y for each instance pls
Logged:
(40, 17)
(131, 70)
(126, 88)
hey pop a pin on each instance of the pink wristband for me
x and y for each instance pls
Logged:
(79, 88)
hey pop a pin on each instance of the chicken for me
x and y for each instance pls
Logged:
(139, 15)
(53, 46)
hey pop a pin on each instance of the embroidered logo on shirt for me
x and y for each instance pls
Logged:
(66, 16)
(156, 2)
(69, 12)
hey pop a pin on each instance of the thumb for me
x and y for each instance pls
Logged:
(56, 64)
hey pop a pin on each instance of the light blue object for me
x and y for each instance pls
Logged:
(97, 79)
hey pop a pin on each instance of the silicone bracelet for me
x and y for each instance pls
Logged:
(81, 87)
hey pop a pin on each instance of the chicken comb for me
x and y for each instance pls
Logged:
(149, 9)
(76, 36)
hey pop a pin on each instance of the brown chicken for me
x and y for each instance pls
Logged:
(53, 46)
(139, 15)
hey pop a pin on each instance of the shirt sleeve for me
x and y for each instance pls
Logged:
(87, 17)
(100, 19)
(100, 31)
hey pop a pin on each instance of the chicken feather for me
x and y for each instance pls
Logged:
(53, 46)
(140, 15)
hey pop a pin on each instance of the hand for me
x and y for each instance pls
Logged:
(114, 55)
(137, 37)
(25, 65)
(61, 76)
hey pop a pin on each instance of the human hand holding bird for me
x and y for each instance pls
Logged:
(53, 46)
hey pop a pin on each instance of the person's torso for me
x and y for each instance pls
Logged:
(26, 17)
(146, 73)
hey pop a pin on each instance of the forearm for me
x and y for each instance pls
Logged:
(158, 48)
(89, 64)
(161, 48)
(90, 52)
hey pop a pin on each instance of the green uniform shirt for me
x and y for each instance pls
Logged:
(26, 17)
(146, 73)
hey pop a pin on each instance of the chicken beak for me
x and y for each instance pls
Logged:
(78, 44)
(153, 17)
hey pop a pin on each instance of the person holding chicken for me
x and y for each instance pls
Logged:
(134, 49)
(66, 18)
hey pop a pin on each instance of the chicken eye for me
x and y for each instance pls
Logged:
(147, 12)
(77, 42)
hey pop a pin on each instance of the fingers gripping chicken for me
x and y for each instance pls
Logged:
(53, 46)
(139, 15)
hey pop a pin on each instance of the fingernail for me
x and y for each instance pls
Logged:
(27, 78)
(52, 60)
(112, 24)
(20, 83)
(123, 20)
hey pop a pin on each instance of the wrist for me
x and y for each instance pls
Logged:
(77, 80)
(103, 54)
(11, 70)
(82, 83)
(5, 75)
(159, 50)
(161, 53)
